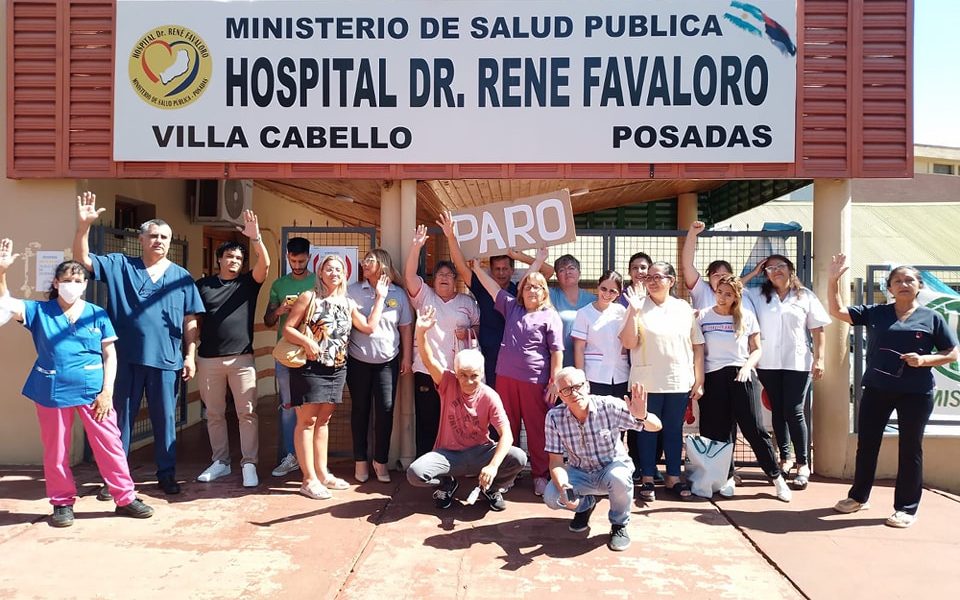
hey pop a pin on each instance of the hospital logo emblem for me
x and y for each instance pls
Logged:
(169, 67)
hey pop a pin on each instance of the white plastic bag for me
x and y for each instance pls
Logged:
(708, 464)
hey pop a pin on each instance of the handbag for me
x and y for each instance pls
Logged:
(708, 464)
(293, 355)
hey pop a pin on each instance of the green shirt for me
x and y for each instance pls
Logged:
(285, 287)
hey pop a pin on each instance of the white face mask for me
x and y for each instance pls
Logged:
(71, 291)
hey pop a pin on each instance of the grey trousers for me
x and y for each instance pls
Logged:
(427, 470)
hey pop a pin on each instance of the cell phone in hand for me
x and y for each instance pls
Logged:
(571, 495)
(290, 299)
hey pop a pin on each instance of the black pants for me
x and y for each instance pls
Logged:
(376, 385)
(727, 402)
(913, 412)
(787, 391)
(426, 402)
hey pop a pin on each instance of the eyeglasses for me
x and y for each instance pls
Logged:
(568, 269)
(657, 277)
(370, 260)
(445, 275)
(772, 268)
(886, 360)
(607, 290)
(572, 389)
(533, 287)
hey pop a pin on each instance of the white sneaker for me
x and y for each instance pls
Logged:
(901, 520)
(250, 478)
(803, 477)
(783, 490)
(729, 488)
(214, 471)
(289, 464)
(315, 490)
(539, 485)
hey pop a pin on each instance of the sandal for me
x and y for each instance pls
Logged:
(681, 490)
(335, 483)
(648, 491)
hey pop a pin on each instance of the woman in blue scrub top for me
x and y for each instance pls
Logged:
(904, 342)
(73, 374)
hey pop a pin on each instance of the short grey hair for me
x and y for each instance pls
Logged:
(470, 358)
(145, 227)
(567, 372)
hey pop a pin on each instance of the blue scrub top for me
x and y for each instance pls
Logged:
(148, 314)
(69, 366)
(568, 314)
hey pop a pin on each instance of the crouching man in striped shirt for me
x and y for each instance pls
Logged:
(587, 429)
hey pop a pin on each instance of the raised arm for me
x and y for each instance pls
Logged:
(426, 319)
(251, 229)
(486, 281)
(456, 255)
(688, 256)
(835, 299)
(753, 273)
(413, 281)
(13, 306)
(537, 263)
(630, 333)
(367, 324)
(87, 213)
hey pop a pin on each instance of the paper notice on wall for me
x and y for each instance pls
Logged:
(47, 261)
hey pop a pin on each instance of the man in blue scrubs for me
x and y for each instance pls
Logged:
(153, 304)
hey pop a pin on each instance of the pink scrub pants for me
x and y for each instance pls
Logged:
(56, 426)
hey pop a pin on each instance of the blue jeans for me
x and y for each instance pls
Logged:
(160, 386)
(615, 481)
(288, 416)
(670, 407)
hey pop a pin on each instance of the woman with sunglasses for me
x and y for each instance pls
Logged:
(375, 361)
(786, 311)
(666, 356)
(904, 342)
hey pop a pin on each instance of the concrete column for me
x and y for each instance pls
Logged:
(831, 395)
(687, 210)
(398, 221)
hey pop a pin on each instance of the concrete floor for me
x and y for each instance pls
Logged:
(376, 540)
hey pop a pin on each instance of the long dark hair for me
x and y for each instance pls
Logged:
(67, 267)
(794, 284)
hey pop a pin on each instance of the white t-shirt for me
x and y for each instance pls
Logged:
(663, 360)
(722, 347)
(604, 359)
(783, 328)
(460, 311)
(702, 295)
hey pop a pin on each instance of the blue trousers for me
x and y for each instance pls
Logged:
(615, 481)
(670, 407)
(160, 387)
(288, 416)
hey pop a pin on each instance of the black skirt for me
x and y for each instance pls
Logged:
(315, 383)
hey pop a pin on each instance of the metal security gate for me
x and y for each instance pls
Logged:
(107, 240)
(363, 239)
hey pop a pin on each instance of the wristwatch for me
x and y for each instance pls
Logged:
(256, 239)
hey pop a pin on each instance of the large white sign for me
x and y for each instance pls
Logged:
(421, 81)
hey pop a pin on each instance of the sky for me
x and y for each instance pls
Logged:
(936, 73)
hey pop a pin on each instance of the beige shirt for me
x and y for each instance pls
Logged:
(663, 359)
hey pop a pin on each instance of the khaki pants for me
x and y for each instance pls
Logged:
(213, 376)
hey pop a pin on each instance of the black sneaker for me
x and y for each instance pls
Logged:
(496, 500)
(619, 538)
(62, 516)
(581, 520)
(443, 496)
(136, 509)
(103, 494)
(169, 486)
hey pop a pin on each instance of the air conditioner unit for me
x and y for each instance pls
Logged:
(222, 200)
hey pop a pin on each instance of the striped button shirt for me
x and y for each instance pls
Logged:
(595, 443)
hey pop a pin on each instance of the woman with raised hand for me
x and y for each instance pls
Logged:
(458, 322)
(701, 292)
(73, 375)
(317, 387)
(375, 361)
(530, 357)
(731, 351)
(904, 342)
(637, 268)
(666, 357)
(786, 311)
